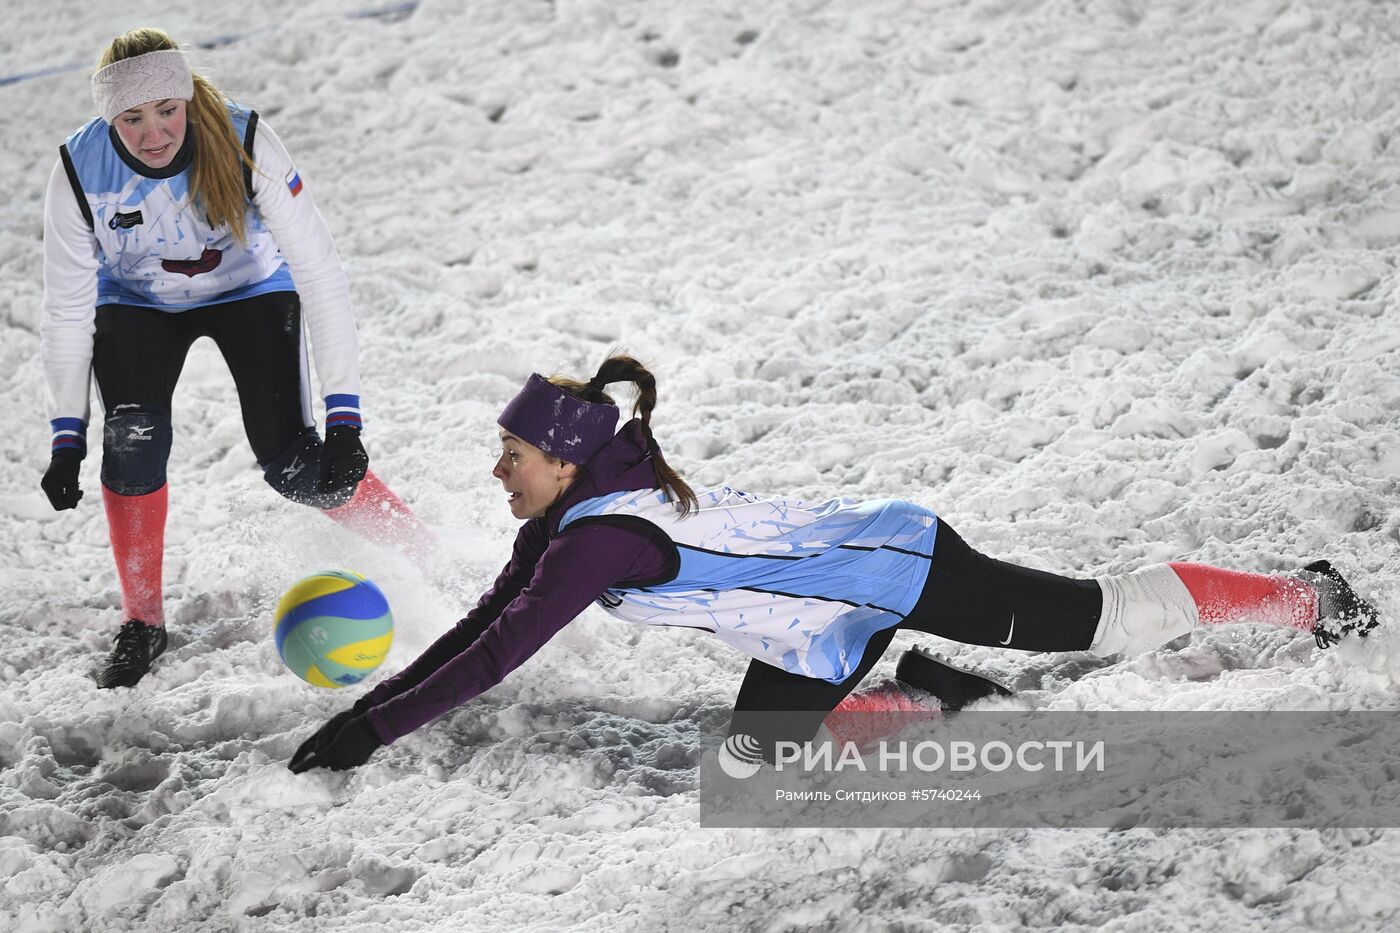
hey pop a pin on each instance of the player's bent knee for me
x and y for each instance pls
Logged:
(135, 449)
(1143, 610)
(296, 474)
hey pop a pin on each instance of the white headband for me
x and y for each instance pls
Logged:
(163, 75)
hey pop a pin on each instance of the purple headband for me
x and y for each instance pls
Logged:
(557, 422)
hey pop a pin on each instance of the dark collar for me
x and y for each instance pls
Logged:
(624, 464)
(572, 494)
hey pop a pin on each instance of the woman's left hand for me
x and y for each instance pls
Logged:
(349, 747)
(343, 459)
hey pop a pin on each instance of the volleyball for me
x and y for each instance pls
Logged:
(333, 628)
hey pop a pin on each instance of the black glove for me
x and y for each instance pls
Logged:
(321, 737)
(343, 459)
(60, 482)
(345, 742)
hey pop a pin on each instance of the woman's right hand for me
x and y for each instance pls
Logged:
(60, 482)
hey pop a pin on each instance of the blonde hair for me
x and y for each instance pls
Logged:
(216, 178)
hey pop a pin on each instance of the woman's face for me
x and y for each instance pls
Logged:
(533, 479)
(154, 131)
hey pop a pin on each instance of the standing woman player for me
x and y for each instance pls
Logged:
(812, 591)
(176, 215)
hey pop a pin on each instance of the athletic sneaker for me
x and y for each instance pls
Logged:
(138, 644)
(1338, 606)
(954, 686)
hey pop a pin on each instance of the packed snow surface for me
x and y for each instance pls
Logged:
(1102, 282)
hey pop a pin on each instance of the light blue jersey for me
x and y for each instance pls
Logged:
(154, 251)
(802, 586)
(117, 231)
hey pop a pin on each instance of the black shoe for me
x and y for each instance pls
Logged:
(138, 644)
(954, 686)
(1338, 606)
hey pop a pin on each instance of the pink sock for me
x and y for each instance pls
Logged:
(876, 713)
(1231, 596)
(136, 525)
(376, 514)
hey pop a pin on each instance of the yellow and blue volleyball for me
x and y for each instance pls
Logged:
(333, 628)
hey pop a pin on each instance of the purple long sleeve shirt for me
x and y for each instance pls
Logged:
(550, 579)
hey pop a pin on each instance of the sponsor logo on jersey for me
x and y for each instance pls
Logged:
(208, 262)
(125, 221)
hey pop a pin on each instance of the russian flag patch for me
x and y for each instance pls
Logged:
(294, 182)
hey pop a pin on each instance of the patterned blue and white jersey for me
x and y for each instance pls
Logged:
(116, 232)
(802, 586)
(154, 251)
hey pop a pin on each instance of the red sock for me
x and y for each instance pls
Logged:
(1232, 596)
(876, 713)
(136, 525)
(376, 514)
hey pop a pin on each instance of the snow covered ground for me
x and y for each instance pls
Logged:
(1103, 282)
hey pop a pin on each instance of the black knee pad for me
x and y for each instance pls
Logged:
(135, 448)
(296, 474)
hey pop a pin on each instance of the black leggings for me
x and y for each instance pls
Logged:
(968, 597)
(138, 353)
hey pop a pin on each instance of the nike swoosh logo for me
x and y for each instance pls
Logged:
(1010, 630)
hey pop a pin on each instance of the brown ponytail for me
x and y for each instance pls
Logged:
(216, 178)
(627, 369)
